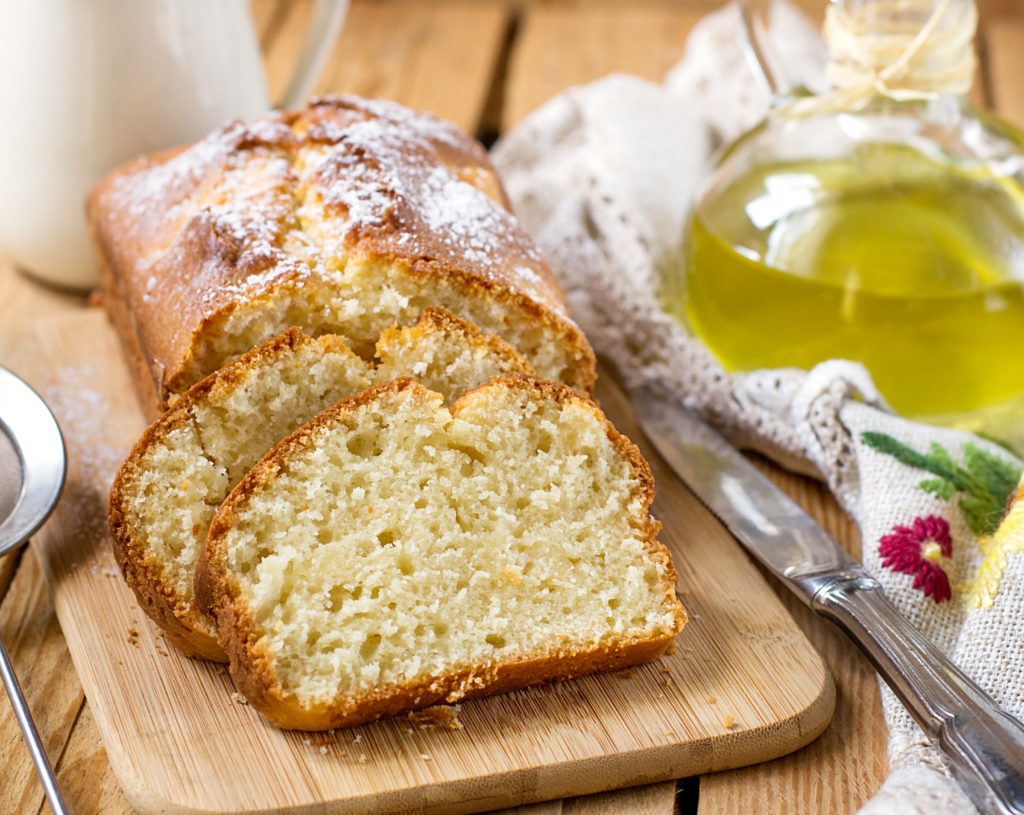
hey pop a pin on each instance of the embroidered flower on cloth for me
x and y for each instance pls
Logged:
(985, 481)
(917, 550)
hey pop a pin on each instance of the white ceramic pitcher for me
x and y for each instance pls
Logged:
(86, 85)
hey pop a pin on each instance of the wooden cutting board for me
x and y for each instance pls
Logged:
(742, 686)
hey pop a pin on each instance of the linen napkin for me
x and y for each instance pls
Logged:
(603, 176)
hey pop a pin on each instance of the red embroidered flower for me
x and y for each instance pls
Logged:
(917, 550)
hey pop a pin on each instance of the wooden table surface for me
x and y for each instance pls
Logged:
(486, 64)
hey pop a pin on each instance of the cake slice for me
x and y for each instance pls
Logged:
(394, 553)
(445, 353)
(167, 491)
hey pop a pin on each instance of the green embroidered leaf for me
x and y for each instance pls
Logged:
(987, 479)
(937, 461)
(979, 515)
(998, 475)
(937, 454)
(885, 443)
(940, 487)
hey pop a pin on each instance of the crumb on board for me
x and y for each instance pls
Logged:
(442, 717)
(362, 758)
(728, 722)
(237, 697)
(133, 637)
(671, 649)
(626, 674)
(425, 757)
(711, 700)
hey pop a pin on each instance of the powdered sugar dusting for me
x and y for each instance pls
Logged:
(83, 414)
(374, 165)
(166, 183)
(260, 208)
(465, 216)
(426, 128)
(396, 184)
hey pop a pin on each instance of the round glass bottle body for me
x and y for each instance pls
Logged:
(892, 235)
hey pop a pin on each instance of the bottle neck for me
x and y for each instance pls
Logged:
(903, 49)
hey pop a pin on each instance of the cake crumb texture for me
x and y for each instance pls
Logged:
(170, 486)
(366, 566)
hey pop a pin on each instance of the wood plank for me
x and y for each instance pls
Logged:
(844, 767)
(545, 808)
(264, 14)
(282, 41)
(839, 771)
(39, 653)
(1004, 38)
(557, 47)
(26, 301)
(175, 737)
(1000, 8)
(641, 39)
(84, 775)
(436, 56)
(8, 566)
(652, 799)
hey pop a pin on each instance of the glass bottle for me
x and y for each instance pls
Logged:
(881, 222)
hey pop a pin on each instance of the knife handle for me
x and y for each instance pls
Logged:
(984, 744)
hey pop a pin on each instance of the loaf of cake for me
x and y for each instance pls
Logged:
(345, 217)
(394, 552)
(168, 489)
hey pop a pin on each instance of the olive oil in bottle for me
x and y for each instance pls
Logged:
(910, 265)
(881, 222)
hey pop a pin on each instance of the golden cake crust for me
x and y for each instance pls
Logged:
(190, 236)
(253, 674)
(149, 576)
(185, 627)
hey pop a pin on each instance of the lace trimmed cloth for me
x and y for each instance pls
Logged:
(603, 176)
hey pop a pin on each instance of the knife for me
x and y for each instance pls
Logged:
(984, 744)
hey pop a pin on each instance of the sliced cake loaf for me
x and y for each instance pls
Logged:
(394, 552)
(175, 478)
(344, 217)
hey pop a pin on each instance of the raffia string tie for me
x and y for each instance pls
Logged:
(880, 48)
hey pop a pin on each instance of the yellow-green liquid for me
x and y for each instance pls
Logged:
(884, 256)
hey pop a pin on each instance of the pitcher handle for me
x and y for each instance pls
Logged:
(324, 25)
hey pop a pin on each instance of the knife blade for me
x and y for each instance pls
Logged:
(984, 744)
(772, 527)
